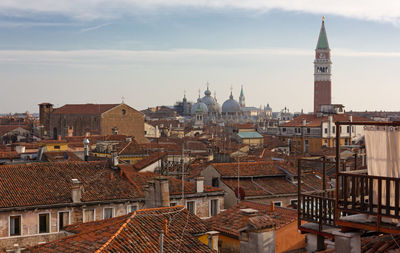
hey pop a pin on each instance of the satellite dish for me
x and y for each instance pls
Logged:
(241, 192)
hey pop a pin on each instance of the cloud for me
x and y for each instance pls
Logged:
(94, 27)
(383, 10)
(127, 57)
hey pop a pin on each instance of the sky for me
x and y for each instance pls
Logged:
(150, 52)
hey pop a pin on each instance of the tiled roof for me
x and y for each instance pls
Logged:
(9, 155)
(50, 183)
(175, 185)
(381, 243)
(136, 232)
(152, 158)
(231, 220)
(312, 120)
(87, 109)
(263, 186)
(4, 129)
(59, 156)
(261, 168)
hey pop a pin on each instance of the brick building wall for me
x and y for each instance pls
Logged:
(322, 94)
(126, 120)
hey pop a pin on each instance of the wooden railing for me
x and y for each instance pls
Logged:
(317, 207)
(361, 193)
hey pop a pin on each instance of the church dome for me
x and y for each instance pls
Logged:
(230, 105)
(199, 106)
(268, 108)
(211, 102)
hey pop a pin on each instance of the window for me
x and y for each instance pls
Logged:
(340, 129)
(277, 203)
(348, 129)
(172, 204)
(191, 206)
(123, 112)
(44, 223)
(308, 130)
(333, 129)
(132, 208)
(63, 220)
(108, 213)
(293, 202)
(214, 207)
(15, 225)
(284, 129)
(215, 182)
(57, 147)
(88, 215)
(326, 130)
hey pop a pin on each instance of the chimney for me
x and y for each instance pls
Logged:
(200, 184)
(162, 191)
(149, 195)
(351, 118)
(114, 159)
(76, 191)
(86, 148)
(272, 207)
(304, 122)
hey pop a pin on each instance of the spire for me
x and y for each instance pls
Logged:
(322, 39)
(241, 92)
(231, 96)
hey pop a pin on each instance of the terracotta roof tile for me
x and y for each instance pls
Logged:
(87, 109)
(312, 120)
(231, 220)
(137, 232)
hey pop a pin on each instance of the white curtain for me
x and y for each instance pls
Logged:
(383, 157)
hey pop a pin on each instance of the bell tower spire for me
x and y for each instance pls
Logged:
(242, 98)
(322, 71)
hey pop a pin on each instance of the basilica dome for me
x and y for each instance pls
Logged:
(230, 105)
(199, 106)
(212, 105)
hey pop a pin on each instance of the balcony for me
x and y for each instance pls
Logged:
(358, 201)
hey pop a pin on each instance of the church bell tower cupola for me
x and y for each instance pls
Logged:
(322, 71)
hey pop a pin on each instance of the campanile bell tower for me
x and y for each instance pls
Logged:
(322, 71)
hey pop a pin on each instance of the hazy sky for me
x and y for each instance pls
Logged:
(80, 51)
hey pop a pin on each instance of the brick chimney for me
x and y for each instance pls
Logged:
(76, 190)
(200, 184)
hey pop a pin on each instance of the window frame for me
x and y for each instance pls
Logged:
(210, 207)
(38, 219)
(194, 205)
(87, 209)
(276, 202)
(127, 207)
(58, 218)
(9, 225)
(112, 213)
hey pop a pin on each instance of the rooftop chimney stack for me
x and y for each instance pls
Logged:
(200, 184)
(272, 206)
(114, 159)
(162, 191)
(76, 190)
(157, 193)
(86, 148)
(304, 122)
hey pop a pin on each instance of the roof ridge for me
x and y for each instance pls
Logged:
(116, 233)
